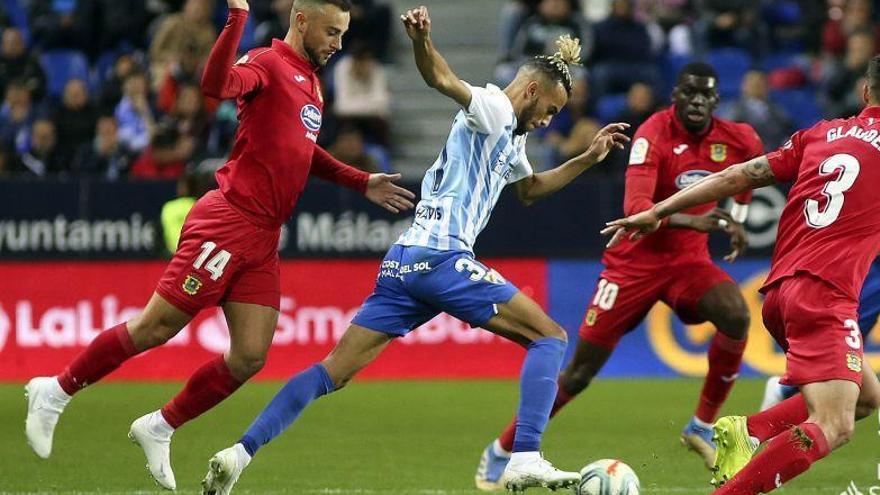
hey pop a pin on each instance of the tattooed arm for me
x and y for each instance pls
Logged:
(733, 180)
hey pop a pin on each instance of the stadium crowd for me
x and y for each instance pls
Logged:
(109, 88)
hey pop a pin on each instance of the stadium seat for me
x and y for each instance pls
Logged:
(610, 106)
(19, 17)
(779, 60)
(61, 66)
(669, 67)
(731, 65)
(800, 104)
(101, 69)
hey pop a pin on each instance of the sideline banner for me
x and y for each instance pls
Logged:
(49, 311)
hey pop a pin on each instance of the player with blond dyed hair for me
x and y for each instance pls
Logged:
(431, 268)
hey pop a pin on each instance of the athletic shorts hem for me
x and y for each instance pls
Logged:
(785, 380)
(177, 301)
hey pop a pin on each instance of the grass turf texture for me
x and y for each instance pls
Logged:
(391, 438)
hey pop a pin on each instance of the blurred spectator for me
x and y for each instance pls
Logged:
(276, 25)
(42, 158)
(640, 105)
(726, 23)
(74, 119)
(16, 117)
(59, 24)
(6, 170)
(513, 14)
(166, 157)
(668, 25)
(351, 149)
(856, 17)
(841, 77)
(190, 29)
(118, 24)
(174, 212)
(538, 34)
(111, 88)
(17, 63)
(621, 51)
(187, 71)
(104, 156)
(189, 117)
(755, 108)
(133, 113)
(362, 96)
(371, 25)
(852, 103)
(566, 136)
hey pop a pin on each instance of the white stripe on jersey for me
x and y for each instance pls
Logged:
(461, 188)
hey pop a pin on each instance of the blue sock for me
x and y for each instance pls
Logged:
(788, 390)
(540, 372)
(286, 406)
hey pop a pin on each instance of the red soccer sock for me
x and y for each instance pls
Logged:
(506, 438)
(206, 388)
(767, 424)
(108, 351)
(786, 456)
(725, 356)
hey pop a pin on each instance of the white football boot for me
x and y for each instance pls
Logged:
(529, 469)
(153, 434)
(772, 393)
(224, 469)
(46, 401)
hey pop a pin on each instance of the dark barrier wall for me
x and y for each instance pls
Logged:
(85, 219)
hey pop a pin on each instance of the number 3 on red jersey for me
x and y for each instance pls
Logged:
(215, 265)
(849, 168)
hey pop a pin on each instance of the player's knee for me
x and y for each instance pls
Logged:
(244, 366)
(838, 428)
(734, 320)
(554, 331)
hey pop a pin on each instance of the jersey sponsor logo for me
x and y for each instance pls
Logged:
(299, 78)
(718, 152)
(426, 212)
(191, 285)
(690, 178)
(679, 149)
(639, 152)
(311, 117)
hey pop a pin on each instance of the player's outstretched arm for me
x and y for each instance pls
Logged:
(433, 67)
(221, 78)
(543, 184)
(739, 178)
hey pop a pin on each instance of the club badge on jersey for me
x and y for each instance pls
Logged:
(191, 285)
(718, 152)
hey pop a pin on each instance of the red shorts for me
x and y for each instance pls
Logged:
(221, 257)
(621, 301)
(817, 326)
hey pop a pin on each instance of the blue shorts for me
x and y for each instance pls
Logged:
(869, 300)
(416, 283)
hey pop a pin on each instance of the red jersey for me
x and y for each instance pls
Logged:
(665, 158)
(280, 111)
(830, 226)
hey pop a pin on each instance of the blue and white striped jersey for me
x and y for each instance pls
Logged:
(481, 156)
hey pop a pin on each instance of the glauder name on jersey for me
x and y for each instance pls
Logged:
(871, 137)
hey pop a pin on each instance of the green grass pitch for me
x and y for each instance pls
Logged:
(420, 438)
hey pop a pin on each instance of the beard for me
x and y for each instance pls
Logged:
(527, 114)
(314, 57)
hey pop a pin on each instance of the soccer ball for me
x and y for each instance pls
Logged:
(608, 477)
